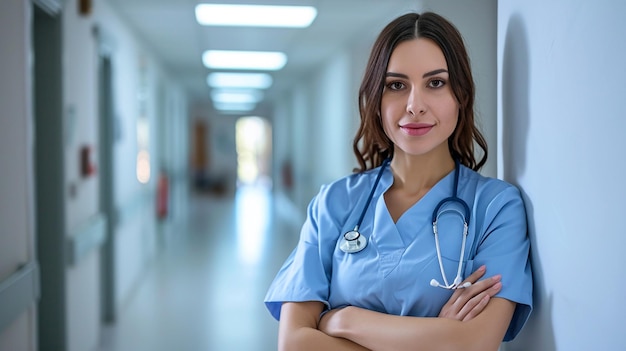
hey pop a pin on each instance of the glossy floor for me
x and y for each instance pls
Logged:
(204, 291)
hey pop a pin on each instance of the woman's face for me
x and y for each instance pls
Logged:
(419, 110)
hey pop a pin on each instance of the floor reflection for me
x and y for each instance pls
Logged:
(252, 216)
(205, 289)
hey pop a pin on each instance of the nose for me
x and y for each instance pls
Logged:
(415, 104)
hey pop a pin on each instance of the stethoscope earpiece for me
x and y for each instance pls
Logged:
(434, 283)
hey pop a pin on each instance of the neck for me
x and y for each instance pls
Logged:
(417, 174)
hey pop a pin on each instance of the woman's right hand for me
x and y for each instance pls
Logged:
(467, 303)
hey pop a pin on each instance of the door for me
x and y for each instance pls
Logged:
(107, 201)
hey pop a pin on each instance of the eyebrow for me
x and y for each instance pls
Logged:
(426, 75)
(435, 72)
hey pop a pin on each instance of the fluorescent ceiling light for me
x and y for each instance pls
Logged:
(255, 15)
(254, 60)
(239, 80)
(232, 107)
(229, 96)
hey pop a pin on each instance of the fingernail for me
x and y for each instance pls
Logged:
(482, 268)
(497, 286)
(496, 278)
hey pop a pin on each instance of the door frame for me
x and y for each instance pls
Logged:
(50, 143)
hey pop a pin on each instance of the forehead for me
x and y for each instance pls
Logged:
(420, 55)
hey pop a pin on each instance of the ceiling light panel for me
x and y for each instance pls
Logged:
(255, 15)
(246, 60)
(233, 107)
(239, 80)
(236, 96)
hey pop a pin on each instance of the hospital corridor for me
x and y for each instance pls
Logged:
(158, 159)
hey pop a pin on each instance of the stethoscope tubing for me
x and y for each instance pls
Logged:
(352, 241)
(454, 197)
(371, 195)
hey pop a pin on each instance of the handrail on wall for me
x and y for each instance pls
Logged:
(18, 293)
(21, 290)
(88, 237)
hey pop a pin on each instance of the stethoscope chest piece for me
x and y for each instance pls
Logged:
(352, 242)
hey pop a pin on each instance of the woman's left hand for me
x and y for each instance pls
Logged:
(467, 303)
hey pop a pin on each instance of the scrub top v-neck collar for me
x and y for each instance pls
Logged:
(392, 238)
(442, 189)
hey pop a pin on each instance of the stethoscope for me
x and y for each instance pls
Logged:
(353, 242)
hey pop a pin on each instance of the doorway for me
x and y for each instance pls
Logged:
(253, 138)
(109, 133)
(50, 128)
(107, 201)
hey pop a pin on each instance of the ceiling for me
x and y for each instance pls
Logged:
(169, 28)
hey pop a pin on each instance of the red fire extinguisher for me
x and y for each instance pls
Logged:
(162, 195)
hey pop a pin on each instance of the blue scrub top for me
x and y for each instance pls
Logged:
(392, 274)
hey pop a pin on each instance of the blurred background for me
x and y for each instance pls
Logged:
(151, 186)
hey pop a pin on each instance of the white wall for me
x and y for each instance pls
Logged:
(561, 110)
(80, 125)
(321, 113)
(173, 148)
(331, 110)
(301, 151)
(16, 160)
(142, 87)
(281, 142)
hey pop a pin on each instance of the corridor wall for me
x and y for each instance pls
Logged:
(78, 129)
(18, 321)
(561, 122)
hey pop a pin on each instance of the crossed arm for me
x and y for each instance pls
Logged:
(470, 320)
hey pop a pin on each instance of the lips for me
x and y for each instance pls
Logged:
(416, 129)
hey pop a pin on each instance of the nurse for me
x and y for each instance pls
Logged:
(417, 124)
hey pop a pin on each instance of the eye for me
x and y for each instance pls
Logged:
(436, 83)
(395, 86)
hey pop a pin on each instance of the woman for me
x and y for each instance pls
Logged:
(379, 287)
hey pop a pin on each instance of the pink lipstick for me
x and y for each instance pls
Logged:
(416, 129)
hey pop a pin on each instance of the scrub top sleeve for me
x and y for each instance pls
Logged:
(504, 249)
(303, 276)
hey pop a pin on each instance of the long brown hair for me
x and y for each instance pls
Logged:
(371, 145)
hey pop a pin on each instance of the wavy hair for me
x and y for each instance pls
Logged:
(371, 145)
